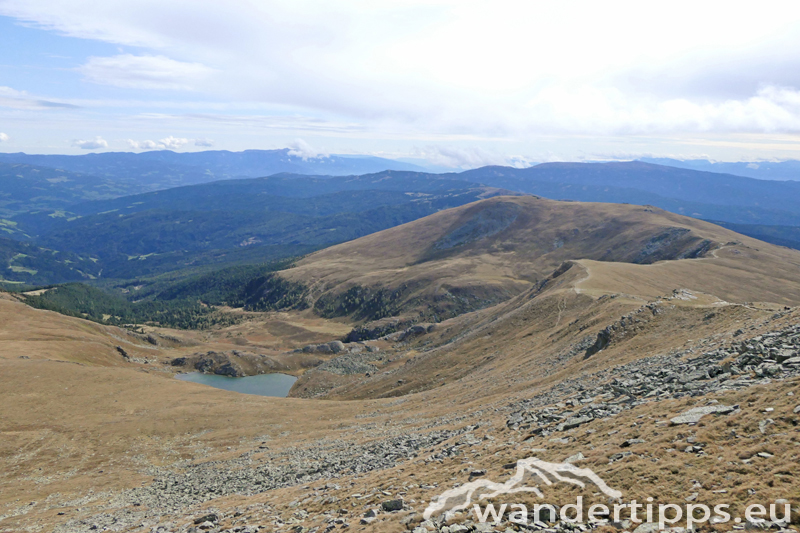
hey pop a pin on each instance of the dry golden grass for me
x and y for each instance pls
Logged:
(545, 234)
(76, 417)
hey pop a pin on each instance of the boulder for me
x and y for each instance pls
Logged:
(574, 422)
(692, 416)
(207, 518)
(336, 346)
(228, 369)
(392, 505)
(631, 442)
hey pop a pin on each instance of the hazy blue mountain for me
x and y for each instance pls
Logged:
(302, 195)
(164, 169)
(26, 188)
(259, 163)
(22, 262)
(240, 221)
(286, 192)
(161, 236)
(764, 170)
(698, 194)
(788, 236)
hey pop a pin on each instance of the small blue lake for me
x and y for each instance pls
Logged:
(261, 385)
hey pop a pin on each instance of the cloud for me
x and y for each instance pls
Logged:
(466, 158)
(445, 71)
(144, 72)
(611, 111)
(96, 144)
(167, 143)
(300, 148)
(173, 143)
(142, 145)
(3, 137)
(22, 100)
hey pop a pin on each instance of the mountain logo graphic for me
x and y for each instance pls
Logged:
(541, 472)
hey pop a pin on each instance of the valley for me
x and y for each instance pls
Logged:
(272, 266)
(427, 354)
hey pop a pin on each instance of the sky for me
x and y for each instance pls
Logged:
(455, 83)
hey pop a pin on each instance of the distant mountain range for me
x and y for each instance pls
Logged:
(706, 195)
(25, 188)
(112, 226)
(164, 169)
(763, 170)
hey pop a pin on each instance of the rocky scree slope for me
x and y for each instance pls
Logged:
(178, 500)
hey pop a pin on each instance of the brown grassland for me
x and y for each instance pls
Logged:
(79, 423)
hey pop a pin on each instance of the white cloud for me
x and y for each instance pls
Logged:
(173, 143)
(144, 72)
(142, 145)
(95, 144)
(167, 143)
(426, 70)
(3, 137)
(610, 111)
(300, 148)
(465, 158)
(15, 99)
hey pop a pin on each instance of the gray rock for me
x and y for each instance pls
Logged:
(630, 442)
(692, 416)
(207, 518)
(336, 346)
(647, 527)
(617, 456)
(349, 363)
(392, 505)
(574, 422)
(652, 527)
(323, 348)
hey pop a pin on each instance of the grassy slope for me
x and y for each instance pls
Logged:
(120, 417)
(544, 234)
(103, 414)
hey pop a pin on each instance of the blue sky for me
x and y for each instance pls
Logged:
(458, 83)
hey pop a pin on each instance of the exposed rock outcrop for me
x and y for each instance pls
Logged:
(236, 363)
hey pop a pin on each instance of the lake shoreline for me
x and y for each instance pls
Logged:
(272, 384)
